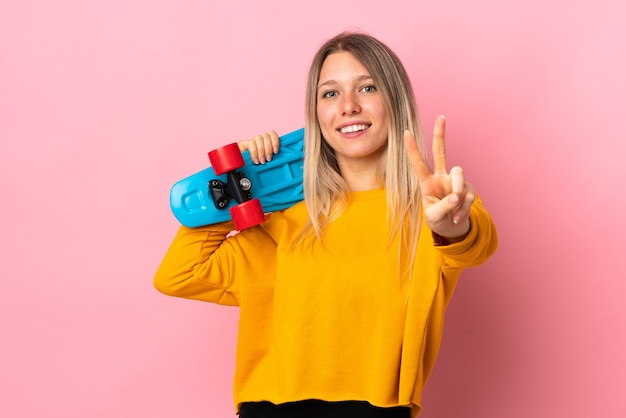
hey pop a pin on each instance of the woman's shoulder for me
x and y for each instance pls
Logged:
(287, 222)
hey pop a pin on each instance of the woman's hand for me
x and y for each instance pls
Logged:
(446, 197)
(262, 147)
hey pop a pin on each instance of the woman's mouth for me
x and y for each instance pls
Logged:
(349, 129)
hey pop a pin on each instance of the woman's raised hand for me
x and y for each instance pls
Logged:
(262, 147)
(446, 197)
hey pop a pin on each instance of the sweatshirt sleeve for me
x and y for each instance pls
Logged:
(480, 243)
(207, 264)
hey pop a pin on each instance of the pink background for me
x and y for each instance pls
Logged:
(104, 104)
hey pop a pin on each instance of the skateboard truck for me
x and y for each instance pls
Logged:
(237, 187)
(248, 212)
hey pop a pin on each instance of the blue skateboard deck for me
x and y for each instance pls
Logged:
(277, 184)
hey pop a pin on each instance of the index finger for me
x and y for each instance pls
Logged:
(420, 167)
(439, 145)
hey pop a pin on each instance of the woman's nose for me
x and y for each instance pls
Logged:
(350, 105)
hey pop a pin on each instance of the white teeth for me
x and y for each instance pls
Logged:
(353, 128)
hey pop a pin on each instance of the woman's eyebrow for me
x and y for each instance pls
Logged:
(334, 82)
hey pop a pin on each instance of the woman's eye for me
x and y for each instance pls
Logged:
(329, 94)
(369, 89)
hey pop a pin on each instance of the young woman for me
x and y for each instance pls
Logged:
(342, 296)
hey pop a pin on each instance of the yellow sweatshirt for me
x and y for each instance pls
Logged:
(331, 320)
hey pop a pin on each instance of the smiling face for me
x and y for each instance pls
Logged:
(350, 111)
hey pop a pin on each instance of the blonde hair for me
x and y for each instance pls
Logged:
(326, 193)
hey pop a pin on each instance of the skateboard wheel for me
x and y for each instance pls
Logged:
(247, 214)
(226, 158)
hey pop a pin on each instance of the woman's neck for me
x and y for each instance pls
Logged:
(360, 177)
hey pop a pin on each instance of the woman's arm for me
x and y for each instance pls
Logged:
(193, 268)
(202, 263)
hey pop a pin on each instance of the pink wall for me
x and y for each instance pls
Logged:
(104, 104)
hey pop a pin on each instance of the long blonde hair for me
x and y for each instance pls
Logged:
(326, 193)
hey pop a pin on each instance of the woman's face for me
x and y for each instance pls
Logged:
(350, 110)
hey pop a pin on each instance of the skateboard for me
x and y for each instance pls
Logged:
(233, 187)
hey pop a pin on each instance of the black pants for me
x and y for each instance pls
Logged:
(320, 409)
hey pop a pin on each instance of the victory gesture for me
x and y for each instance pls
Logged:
(446, 196)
